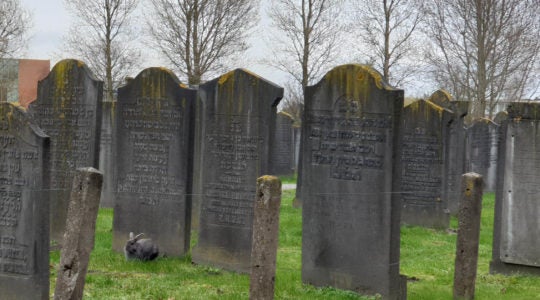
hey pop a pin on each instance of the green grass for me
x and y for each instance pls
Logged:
(427, 257)
(288, 179)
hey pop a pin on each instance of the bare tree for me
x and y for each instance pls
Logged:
(387, 33)
(14, 24)
(293, 102)
(308, 37)
(199, 37)
(103, 37)
(486, 49)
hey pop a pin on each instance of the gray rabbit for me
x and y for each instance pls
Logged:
(142, 249)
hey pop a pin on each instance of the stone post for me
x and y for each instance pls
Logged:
(470, 209)
(79, 234)
(265, 238)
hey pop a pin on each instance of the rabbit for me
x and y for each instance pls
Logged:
(142, 249)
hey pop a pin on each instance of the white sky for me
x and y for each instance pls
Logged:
(51, 20)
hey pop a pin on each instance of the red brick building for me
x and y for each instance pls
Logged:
(19, 78)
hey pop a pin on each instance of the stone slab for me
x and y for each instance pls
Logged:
(24, 206)
(153, 161)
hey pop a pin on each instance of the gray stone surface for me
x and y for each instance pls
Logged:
(350, 228)
(106, 162)
(24, 207)
(516, 247)
(68, 109)
(481, 151)
(283, 148)
(425, 134)
(236, 119)
(79, 236)
(456, 146)
(153, 149)
(468, 236)
(265, 238)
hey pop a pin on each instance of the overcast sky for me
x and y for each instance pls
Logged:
(51, 21)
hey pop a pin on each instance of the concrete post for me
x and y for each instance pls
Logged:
(79, 234)
(468, 236)
(265, 238)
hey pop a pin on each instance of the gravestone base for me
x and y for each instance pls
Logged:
(499, 267)
(437, 219)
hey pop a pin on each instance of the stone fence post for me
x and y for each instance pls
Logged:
(470, 209)
(79, 234)
(265, 238)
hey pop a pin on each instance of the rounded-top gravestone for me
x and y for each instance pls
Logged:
(24, 206)
(351, 165)
(153, 157)
(68, 109)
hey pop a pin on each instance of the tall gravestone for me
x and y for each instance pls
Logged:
(482, 147)
(516, 246)
(456, 146)
(426, 130)
(24, 207)
(283, 153)
(106, 162)
(236, 122)
(153, 149)
(68, 109)
(350, 231)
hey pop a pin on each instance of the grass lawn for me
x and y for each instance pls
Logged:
(427, 257)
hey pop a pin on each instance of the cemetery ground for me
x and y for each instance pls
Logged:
(427, 259)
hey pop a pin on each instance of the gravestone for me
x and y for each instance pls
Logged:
(516, 246)
(152, 154)
(106, 163)
(237, 115)
(283, 153)
(500, 117)
(68, 109)
(350, 231)
(456, 146)
(426, 130)
(24, 206)
(482, 144)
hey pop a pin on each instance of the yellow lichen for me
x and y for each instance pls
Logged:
(285, 114)
(225, 77)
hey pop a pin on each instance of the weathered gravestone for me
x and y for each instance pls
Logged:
(106, 162)
(425, 131)
(24, 207)
(516, 246)
(283, 151)
(68, 109)
(79, 236)
(500, 117)
(481, 154)
(456, 147)
(350, 231)
(153, 142)
(237, 113)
